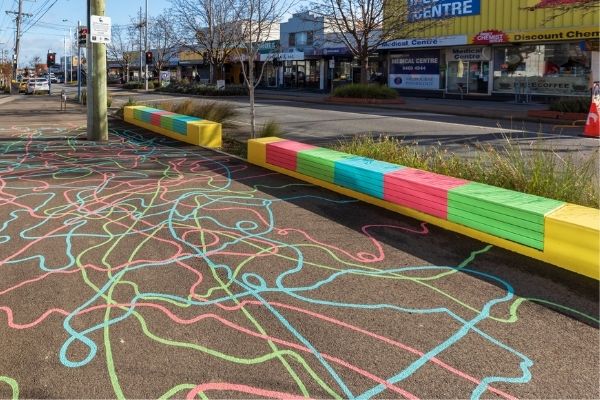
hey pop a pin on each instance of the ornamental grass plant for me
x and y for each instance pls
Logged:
(525, 167)
(209, 110)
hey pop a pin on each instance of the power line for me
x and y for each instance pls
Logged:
(41, 16)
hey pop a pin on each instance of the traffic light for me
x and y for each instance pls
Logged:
(149, 58)
(82, 36)
(51, 59)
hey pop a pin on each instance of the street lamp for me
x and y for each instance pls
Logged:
(70, 53)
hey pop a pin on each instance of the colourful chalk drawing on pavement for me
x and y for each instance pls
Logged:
(156, 246)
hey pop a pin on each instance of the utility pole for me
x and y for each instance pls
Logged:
(19, 19)
(146, 45)
(98, 130)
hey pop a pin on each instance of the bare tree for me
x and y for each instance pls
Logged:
(207, 27)
(163, 41)
(121, 47)
(364, 25)
(38, 66)
(560, 7)
(5, 74)
(258, 23)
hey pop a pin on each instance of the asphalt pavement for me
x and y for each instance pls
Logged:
(143, 268)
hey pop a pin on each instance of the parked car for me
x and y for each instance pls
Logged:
(51, 77)
(36, 85)
(23, 85)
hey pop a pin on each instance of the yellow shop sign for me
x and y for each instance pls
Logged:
(555, 34)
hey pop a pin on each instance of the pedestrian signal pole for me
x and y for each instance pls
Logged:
(98, 129)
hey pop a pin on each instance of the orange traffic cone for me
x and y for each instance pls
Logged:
(592, 125)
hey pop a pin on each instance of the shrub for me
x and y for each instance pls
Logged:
(357, 90)
(526, 168)
(573, 105)
(203, 90)
(132, 85)
(271, 128)
(138, 85)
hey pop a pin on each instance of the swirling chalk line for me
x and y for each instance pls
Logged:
(111, 206)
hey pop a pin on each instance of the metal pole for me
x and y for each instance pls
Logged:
(78, 64)
(140, 77)
(99, 131)
(65, 59)
(71, 54)
(146, 45)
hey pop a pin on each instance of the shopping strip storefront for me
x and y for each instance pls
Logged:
(526, 52)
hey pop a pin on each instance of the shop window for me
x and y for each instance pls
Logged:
(301, 38)
(552, 69)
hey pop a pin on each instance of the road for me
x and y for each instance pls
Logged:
(322, 123)
(144, 268)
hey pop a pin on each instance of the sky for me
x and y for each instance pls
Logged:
(46, 29)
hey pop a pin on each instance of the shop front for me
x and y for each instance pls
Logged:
(419, 64)
(301, 74)
(563, 69)
(415, 69)
(339, 63)
(468, 70)
(507, 49)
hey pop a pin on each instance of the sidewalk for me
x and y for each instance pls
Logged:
(5, 98)
(472, 108)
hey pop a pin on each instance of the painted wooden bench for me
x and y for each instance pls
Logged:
(556, 232)
(185, 128)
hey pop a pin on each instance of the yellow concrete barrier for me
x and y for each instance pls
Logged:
(572, 239)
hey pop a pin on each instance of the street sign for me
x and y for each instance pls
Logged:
(100, 31)
(332, 63)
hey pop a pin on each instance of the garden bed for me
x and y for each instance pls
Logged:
(357, 100)
(558, 115)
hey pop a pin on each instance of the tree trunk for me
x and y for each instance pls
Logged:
(364, 70)
(212, 73)
(250, 79)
